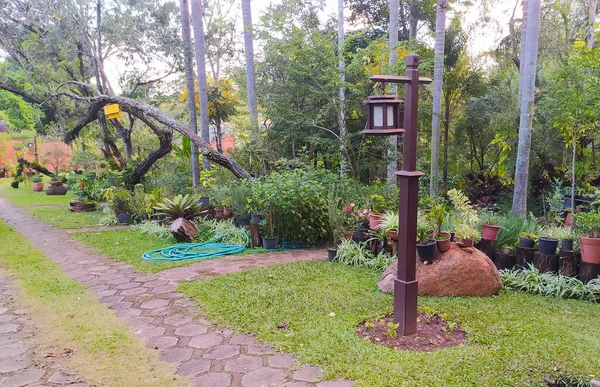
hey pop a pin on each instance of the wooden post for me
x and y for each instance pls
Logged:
(568, 262)
(524, 257)
(504, 261)
(488, 247)
(588, 271)
(545, 263)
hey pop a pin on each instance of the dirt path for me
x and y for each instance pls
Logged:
(213, 356)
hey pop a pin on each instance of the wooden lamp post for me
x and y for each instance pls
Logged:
(380, 121)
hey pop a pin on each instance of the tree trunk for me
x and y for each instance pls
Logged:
(438, 72)
(198, 24)
(250, 73)
(342, 112)
(188, 55)
(573, 180)
(183, 230)
(392, 166)
(218, 137)
(519, 207)
(590, 21)
(413, 19)
(522, 54)
(142, 109)
(446, 130)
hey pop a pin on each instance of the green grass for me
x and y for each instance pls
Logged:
(66, 316)
(128, 245)
(25, 197)
(65, 219)
(513, 339)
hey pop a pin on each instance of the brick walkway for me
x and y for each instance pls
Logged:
(211, 355)
(21, 363)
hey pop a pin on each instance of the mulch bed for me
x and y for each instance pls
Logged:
(433, 333)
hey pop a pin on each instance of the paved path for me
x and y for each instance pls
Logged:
(21, 363)
(211, 355)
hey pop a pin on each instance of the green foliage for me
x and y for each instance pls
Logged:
(186, 207)
(437, 216)
(37, 179)
(511, 228)
(423, 235)
(357, 254)
(107, 216)
(376, 203)
(389, 222)
(20, 115)
(528, 235)
(155, 230)
(587, 224)
(464, 212)
(531, 280)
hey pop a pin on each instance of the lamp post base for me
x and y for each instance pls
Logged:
(405, 306)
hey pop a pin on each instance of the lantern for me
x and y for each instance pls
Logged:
(112, 111)
(384, 115)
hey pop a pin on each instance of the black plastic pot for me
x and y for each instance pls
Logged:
(270, 243)
(452, 236)
(566, 244)
(257, 218)
(242, 221)
(204, 201)
(124, 218)
(426, 251)
(14, 184)
(331, 254)
(548, 245)
(527, 242)
(567, 203)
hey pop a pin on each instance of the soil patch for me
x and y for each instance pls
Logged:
(433, 333)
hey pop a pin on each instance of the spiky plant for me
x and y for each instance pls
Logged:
(186, 207)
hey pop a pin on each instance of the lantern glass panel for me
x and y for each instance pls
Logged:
(390, 115)
(378, 116)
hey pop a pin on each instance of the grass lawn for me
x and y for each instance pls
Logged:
(65, 219)
(514, 339)
(66, 316)
(128, 246)
(24, 195)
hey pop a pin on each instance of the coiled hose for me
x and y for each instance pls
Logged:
(191, 251)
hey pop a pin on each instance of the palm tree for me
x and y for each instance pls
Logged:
(188, 55)
(438, 72)
(342, 113)
(198, 24)
(527, 80)
(250, 73)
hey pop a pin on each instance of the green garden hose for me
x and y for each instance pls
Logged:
(190, 251)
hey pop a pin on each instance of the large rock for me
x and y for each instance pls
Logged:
(453, 273)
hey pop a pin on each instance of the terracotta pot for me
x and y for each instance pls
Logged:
(219, 213)
(226, 212)
(37, 187)
(375, 220)
(489, 232)
(590, 250)
(466, 242)
(348, 234)
(393, 234)
(443, 242)
(56, 183)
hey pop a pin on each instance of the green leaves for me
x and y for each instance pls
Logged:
(181, 207)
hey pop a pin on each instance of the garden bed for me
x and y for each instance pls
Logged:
(511, 339)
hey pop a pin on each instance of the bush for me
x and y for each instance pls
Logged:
(357, 254)
(511, 228)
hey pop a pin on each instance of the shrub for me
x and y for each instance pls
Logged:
(356, 254)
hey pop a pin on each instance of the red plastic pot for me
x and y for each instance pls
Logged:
(590, 250)
(489, 232)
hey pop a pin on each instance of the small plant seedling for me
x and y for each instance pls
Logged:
(450, 327)
(369, 325)
(391, 332)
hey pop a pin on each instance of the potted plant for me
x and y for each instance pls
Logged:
(270, 240)
(588, 228)
(467, 235)
(527, 240)
(507, 250)
(489, 229)
(376, 202)
(436, 217)
(137, 204)
(206, 183)
(425, 245)
(181, 213)
(37, 183)
(566, 242)
(389, 225)
(549, 242)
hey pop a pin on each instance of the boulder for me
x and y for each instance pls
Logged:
(453, 273)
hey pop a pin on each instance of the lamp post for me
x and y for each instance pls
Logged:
(381, 121)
